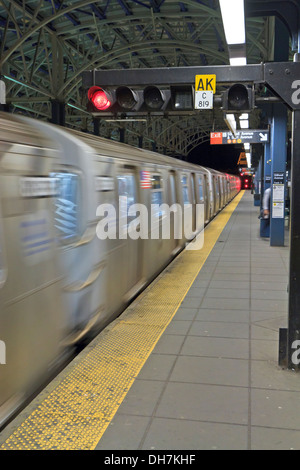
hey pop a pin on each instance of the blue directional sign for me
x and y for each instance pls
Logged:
(248, 136)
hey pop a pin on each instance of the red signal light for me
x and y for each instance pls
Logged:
(100, 98)
(246, 181)
(246, 186)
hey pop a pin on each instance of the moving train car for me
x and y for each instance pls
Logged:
(60, 281)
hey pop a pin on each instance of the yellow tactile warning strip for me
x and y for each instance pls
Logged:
(76, 413)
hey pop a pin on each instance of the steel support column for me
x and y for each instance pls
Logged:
(265, 184)
(278, 165)
(257, 184)
(122, 134)
(96, 126)
(58, 112)
(293, 333)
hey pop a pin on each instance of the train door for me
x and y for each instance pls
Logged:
(227, 184)
(75, 256)
(186, 198)
(211, 195)
(132, 248)
(173, 219)
(206, 198)
(68, 205)
(216, 194)
(194, 200)
(2, 259)
(222, 191)
(6, 378)
(202, 199)
(219, 183)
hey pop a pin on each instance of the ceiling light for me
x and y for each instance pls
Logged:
(231, 123)
(233, 16)
(237, 60)
(248, 158)
(244, 124)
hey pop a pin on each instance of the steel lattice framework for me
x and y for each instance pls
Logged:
(45, 45)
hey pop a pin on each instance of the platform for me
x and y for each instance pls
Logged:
(191, 364)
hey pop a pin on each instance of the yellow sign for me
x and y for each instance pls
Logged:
(242, 159)
(205, 83)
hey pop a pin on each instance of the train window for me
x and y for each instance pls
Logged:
(201, 194)
(127, 196)
(185, 190)
(127, 187)
(157, 190)
(217, 186)
(157, 194)
(67, 206)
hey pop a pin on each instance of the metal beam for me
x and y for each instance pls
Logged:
(288, 11)
(281, 77)
(173, 76)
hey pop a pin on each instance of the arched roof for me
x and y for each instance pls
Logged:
(45, 45)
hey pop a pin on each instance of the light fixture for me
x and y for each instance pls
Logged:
(237, 60)
(248, 154)
(244, 121)
(244, 124)
(233, 16)
(231, 123)
(248, 158)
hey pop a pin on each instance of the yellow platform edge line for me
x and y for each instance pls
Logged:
(217, 226)
(77, 412)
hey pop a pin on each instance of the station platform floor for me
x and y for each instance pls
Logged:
(204, 376)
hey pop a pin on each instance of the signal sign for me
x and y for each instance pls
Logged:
(205, 87)
(205, 83)
(204, 100)
(242, 159)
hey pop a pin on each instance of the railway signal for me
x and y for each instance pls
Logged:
(124, 99)
(238, 98)
(99, 98)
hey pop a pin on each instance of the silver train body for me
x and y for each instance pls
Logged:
(60, 282)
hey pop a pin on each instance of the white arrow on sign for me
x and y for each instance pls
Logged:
(263, 137)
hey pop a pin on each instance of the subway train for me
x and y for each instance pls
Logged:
(60, 282)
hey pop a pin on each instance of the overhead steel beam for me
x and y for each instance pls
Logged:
(283, 78)
(288, 11)
(172, 76)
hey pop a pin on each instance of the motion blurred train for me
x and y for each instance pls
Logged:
(59, 282)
